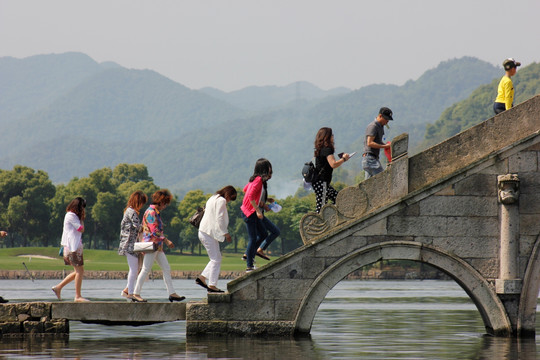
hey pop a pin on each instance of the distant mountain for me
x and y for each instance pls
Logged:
(111, 103)
(479, 105)
(32, 83)
(103, 114)
(257, 98)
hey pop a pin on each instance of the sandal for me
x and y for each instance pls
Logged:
(137, 298)
(261, 254)
(56, 292)
(216, 290)
(201, 283)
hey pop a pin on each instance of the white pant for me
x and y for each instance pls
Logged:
(211, 271)
(133, 263)
(149, 259)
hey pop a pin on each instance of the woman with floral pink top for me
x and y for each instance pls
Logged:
(153, 231)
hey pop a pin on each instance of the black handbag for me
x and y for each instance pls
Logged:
(196, 218)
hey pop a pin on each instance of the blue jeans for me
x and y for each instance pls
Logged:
(254, 226)
(265, 239)
(371, 165)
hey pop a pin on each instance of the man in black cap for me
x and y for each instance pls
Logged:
(505, 91)
(373, 143)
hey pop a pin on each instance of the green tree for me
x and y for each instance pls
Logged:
(24, 197)
(186, 208)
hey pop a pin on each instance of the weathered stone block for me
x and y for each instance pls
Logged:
(378, 228)
(447, 191)
(385, 238)
(10, 327)
(399, 177)
(33, 327)
(529, 224)
(219, 298)
(473, 226)
(253, 310)
(292, 271)
(478, 247)
(417, 226)
(40, 309)
(459, 206)
(500, 167)
(488, 268)
(411, 210)
(404, 253)
(247, 292)
(512, 286)
(525, 161)
(311, 267)
(8, 312)
(286, 309)
(23, 317)
(334, 248)
(57, 326)
(529, 203)
(116, 311)
(477, 185)
(202, 328)
(283, 290)
(261, 328)
(529, 183)
(526, 244)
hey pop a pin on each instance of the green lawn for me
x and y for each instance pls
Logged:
(106, 260)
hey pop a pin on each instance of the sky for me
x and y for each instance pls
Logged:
(232, 44)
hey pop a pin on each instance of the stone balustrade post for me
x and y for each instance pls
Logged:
(508, 196)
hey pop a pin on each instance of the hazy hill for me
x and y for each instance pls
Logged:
(31, 83)
(117, 105)
(256, 98)
(188, 139)
(479, 105)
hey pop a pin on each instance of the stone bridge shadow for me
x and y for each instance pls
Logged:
(469, 206)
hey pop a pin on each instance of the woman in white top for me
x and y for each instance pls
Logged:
(212, 231)
(73, 247)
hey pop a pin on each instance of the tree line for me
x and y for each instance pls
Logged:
(32, 210)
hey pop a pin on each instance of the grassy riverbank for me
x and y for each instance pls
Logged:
(46, 258)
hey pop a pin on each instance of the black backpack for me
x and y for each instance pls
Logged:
(310, 172)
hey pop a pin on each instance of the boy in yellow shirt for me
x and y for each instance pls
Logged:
(505, 91)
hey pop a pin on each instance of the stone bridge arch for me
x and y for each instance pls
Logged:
(488, 304)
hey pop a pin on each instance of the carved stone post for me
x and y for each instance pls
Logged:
(508, 194)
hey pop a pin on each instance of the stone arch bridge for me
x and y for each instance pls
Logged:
(469, 206)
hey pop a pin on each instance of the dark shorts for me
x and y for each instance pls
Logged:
(498, 108)
(73, 258)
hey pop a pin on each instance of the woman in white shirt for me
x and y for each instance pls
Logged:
(73, 247)
(212, 231)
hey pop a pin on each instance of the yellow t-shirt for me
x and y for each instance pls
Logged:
(505, 92)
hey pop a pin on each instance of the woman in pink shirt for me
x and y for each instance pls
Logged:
(251, 212)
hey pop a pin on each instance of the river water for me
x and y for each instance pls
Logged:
(409, 319)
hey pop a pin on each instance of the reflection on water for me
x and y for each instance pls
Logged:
(358, 319)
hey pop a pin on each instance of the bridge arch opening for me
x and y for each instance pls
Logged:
(489, 306)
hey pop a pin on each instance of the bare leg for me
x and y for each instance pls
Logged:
(58, 288)
(79, 272)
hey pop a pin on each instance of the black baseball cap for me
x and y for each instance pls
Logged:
(386, 113)
(510, 63)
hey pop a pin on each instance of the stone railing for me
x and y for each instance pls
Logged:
(412, 175)
(355, 201)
